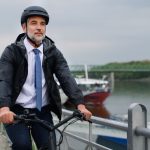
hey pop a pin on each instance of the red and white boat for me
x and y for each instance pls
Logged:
(95, 91)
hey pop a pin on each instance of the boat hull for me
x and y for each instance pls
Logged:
(94, 103)
(96, 98)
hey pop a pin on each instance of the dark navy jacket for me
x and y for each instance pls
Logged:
(14, 70)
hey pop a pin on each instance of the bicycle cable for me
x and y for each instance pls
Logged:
(61, 132)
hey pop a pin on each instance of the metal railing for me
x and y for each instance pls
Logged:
(138, 135)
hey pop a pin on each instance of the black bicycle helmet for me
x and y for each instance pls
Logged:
(34, 11)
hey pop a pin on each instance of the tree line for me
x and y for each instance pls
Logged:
(132, 70)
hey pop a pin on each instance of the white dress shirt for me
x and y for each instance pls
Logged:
(27, 96)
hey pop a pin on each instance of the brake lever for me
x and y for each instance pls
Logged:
(80, 115)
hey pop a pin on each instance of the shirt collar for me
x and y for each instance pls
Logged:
(30, 48)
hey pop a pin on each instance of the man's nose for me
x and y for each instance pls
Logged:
(39, 27)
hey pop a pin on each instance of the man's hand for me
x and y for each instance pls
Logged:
(6, 116)
(87, 113)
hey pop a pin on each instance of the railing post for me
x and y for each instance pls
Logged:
(90, 135)
(137, 117)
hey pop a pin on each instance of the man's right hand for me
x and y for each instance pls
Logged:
(6, 116)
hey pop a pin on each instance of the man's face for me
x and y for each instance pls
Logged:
(35, 28)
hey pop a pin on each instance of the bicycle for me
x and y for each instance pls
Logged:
(27, 117)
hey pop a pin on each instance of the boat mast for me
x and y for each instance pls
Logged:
(86, 72)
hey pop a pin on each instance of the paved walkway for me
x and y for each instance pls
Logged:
(4, 142)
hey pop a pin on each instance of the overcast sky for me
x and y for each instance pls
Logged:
(87, 31)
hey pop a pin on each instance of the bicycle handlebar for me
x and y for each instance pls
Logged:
(27, 117)
(33, 118)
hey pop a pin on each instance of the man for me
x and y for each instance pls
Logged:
(19, 88)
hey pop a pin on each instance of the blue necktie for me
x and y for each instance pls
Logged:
(38, 79)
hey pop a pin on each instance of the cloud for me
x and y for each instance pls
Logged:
(104, 29)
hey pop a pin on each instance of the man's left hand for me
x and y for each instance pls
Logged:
(86, 112)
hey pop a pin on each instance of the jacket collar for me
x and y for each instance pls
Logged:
(47, 42)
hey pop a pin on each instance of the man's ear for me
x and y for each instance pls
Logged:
(24, 27)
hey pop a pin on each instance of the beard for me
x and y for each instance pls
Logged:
(36, 39)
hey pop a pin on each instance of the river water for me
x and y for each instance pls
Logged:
(127, 92)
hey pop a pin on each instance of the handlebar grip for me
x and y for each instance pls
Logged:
(17, 117)
(78, 113)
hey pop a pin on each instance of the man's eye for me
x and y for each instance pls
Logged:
(43, 23)
(33, 22)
